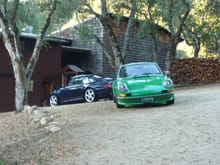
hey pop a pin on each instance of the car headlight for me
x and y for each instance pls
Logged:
(168, 83)
(122, 87)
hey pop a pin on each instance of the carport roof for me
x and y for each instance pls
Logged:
(32, 36)
(73, 68)
(75, 49)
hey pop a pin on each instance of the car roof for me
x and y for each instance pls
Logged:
(85, 75)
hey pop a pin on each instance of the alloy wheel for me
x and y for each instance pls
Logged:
(53, 100)
(89, 95)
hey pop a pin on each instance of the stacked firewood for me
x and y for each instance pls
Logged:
(195, 70)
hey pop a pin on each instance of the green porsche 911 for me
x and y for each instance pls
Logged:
(142, 83)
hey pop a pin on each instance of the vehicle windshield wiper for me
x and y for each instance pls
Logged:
(146, 74)
(141, 75)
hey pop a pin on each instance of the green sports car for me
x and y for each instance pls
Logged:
(142, 83)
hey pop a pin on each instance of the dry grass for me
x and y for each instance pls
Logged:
(96, 132)
(20, 139)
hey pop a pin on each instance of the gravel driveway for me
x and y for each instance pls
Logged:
(187, 132)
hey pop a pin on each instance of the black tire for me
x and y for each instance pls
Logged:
(53, 100)
(170, 102)
(118, 105)
(89, 95)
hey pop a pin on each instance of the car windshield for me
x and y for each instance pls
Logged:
(76, 80)
(139, 69)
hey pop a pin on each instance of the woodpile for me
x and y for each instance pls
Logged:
(195, 70)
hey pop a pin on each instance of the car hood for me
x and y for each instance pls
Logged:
(150, 84)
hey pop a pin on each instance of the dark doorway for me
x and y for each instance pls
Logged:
(75, 56)
(46, 89)
(7, 97)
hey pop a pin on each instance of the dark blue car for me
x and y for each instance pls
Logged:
(82, 88)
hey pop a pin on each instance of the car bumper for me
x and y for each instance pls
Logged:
(104, 93)
(134, 100)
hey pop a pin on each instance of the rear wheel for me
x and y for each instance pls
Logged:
(54, 100)
(89, 95)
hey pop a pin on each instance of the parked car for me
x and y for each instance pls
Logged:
(141, 83)
(82, 88)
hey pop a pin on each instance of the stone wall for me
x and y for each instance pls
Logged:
(195, 70)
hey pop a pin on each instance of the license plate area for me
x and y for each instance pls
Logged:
(148, 100)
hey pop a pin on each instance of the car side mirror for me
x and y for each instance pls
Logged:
(167, 73)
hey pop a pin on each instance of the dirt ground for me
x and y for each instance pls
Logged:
(187, 132)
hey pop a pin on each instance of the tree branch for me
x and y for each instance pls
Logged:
(4, 7)
(195, 40)
(128, 32)
(7, 36)
(92, 11)
(104, 8)
(89, 10)
(109, 57)
(152, 33)
(183, 19)
(14, 14)
(15, 31)
(170, 15)
(35, 55)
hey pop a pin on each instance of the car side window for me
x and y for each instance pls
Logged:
(91, 80)
(70, 82)
(78, 81)
(123, 72)
(85, 80)
(75, 81)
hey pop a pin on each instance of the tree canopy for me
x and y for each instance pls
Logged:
(193, 20)
(31, 13)
(201, 28)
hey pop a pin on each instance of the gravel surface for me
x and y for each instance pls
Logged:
(187, 132)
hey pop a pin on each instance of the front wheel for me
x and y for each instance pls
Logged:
(53, 101)
(89, 95)
(119, 105)
(170, 102)
(116, 102)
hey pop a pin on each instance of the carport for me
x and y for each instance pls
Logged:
(74, 61)
(69, 71)
(75, 56)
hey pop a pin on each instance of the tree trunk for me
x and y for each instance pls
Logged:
(20, 86)
(154, 44)
(128, 32)
(11, 39)
(219, 49)
(115, 59)
(171, 53)
(196, 51)
(195, 43)
(175, 31)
